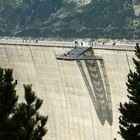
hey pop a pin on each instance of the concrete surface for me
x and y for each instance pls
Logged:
(81, 98)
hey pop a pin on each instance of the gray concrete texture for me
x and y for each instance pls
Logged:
(81, 98)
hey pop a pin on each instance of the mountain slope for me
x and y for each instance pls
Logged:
(73, 18)
(110, 19)
(25, 15)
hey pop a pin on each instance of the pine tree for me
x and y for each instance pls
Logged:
(19, 121)
(8, 97)
(8, 100)
(31, 125)
(130, 111)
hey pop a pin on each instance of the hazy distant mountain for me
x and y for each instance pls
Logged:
(70, 18)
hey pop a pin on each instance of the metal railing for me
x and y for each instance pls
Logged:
(65, 43)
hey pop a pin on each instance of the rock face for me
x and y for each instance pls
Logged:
(80, 2)
(136, 6)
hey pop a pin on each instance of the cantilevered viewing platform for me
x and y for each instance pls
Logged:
(78, 53)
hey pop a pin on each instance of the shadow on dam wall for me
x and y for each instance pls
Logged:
(98, 87)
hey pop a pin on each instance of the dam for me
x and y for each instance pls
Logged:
(80, 96)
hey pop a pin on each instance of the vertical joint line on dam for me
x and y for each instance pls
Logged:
(7, 56)
(127, 61)
(32, 58)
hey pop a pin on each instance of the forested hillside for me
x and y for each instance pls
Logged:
(68, 19)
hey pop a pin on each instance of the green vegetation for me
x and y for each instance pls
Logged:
(130, 111)
(51, 18)
(19, 121)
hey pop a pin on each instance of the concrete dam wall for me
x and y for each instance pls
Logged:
(81, 97)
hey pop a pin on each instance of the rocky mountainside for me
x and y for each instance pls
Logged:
(70, 18)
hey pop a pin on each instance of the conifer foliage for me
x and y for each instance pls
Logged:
(8, 101)
(19, 121)
(130, 111)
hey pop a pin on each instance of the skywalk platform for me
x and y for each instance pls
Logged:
(78, 53)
